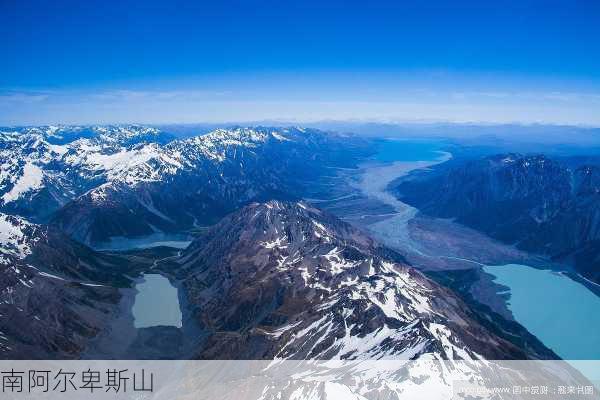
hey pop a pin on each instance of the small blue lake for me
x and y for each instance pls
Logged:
(178, 241)
(562, 313)
(156, 303)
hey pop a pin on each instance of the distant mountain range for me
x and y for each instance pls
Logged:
(121, 181)
(540, 204)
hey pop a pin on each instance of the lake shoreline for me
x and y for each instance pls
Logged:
(539, 300)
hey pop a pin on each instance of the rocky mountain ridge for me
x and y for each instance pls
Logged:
(537, 203)
(78, 178)
(284, 280)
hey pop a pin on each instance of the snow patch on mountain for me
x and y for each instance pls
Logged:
(31, 178)
(14, 240)
(126, 165)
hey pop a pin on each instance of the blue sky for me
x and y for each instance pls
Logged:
(154, 62)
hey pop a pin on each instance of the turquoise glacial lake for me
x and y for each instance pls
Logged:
(390, 150)
(562, 313)
(177, 241)
(156, 303)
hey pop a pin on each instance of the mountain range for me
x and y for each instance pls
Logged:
(124, 181)
(265, 279)
(537, 203)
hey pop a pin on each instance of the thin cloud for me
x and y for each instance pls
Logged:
(22, 97)
(200, 105)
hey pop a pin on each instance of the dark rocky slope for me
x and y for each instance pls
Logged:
(55, 294)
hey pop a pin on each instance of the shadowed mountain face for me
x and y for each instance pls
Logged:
(55, 294)
(284, 280)
(537, 203)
